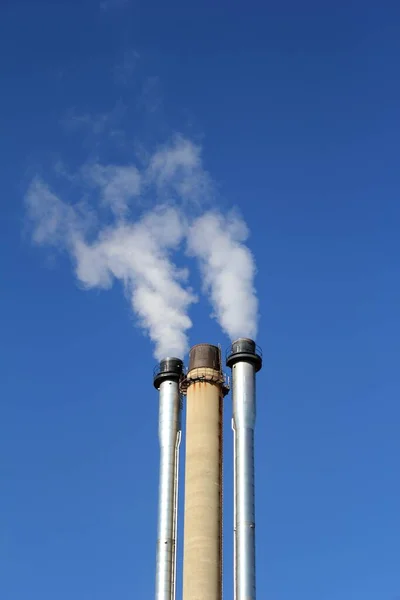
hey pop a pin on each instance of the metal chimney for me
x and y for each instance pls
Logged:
(167, 376)
(245, 359)
(202, 556)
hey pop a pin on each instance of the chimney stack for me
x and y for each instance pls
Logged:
(202, 555)
(167, 377)
(245, 360)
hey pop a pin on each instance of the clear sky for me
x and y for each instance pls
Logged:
(296, 107)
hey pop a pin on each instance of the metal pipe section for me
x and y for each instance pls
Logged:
(245, 359)
(202, 557)
(167, 378)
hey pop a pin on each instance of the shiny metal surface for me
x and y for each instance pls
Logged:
(244, 416)
(169, 437)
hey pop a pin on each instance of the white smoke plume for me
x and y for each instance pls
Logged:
(228, 271)
(176, 169)
(118, 185)
(138, 255)
(51, 220)
(138, 251)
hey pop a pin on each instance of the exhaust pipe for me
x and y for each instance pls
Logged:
(167, 377)
(245, 360)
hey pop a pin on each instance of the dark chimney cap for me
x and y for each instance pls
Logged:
(205, 356)
(244, 349)
(170, 368)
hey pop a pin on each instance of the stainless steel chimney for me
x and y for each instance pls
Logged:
(167, 376)
(245, 359)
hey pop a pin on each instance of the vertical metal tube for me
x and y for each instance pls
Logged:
(166, 380)
(175, 521)
(234, 511)
(244, 362)
(243, 378)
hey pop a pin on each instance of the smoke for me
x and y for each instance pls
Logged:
(138, 255)
(118, 185)
(175, 173)
(137, 249)
(228, 271)
(50, 220)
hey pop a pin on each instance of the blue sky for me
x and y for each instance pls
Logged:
(296, 109)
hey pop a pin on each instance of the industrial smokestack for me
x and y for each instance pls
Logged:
(202, 557)
(245, 359)
(167, 376)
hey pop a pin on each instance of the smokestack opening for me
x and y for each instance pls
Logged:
(205, 356)
(244, 349)
(170, 368)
